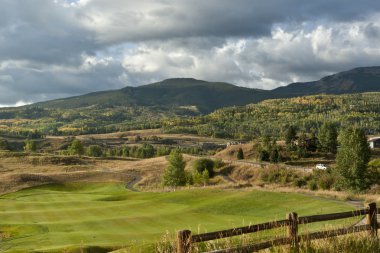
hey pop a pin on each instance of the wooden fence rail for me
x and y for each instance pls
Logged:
(185, 238)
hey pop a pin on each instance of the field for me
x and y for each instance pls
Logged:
(105, 216)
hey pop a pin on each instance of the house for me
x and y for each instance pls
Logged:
(374, 142)
(233, 143)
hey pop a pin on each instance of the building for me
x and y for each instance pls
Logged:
(374, 142)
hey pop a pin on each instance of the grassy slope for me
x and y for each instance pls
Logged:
(56, 217)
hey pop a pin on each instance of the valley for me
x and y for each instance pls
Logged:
(125, 170)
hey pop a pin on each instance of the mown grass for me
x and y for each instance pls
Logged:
(56, 218)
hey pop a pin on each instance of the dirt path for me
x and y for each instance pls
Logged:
(131, 184)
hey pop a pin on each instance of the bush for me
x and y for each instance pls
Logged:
(4, 144)
(240, 154)
(76, 147)
(264, 156)
(312, 185)
(204, 164)
(300, 182)
(325, 181)
(95, 151)
(30, 146)
(218, 163)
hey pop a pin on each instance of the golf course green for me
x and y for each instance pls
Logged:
(54, 218)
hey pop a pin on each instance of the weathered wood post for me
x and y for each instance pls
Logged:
(293, 230)
(372, 218)
(184, 241)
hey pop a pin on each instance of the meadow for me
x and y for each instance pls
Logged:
(107, 216)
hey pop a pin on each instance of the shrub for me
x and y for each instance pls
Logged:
(4, 144)
(218, 163)
(204, 164)
(300, 182)
(76, 147)
(264, 156)
(240, 154)
(325, 181)
(312, 185)
(95, 151)
(30, 146)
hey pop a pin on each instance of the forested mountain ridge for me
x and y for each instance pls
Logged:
(178, 105)
(209, 96)
(357, 80)
(271, 117)
(204, 96)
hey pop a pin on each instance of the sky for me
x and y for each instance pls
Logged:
(59, 48)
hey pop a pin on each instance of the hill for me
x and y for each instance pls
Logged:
(203, 96)
(272, 116)
(357, 80)
(171, 102)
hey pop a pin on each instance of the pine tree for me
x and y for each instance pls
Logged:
(352, 159)
(175, 171)
(290, 135)
(240, 154)
(327, 138)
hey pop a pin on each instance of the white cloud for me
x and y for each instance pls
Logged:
(17, 104)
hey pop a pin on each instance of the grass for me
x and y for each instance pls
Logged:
(54, 218)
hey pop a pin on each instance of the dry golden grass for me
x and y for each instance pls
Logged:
(230, 152)
(31, 170)
(149, 133)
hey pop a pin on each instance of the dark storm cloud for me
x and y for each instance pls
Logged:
(152, 20)
(55, 48)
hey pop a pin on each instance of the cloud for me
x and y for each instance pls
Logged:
(287, 55)
(51, 49)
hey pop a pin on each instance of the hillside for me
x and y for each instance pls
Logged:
(181, 104)
(357, 80)
(271, 117)
(203, 96)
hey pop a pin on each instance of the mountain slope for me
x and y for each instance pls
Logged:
(357, 80)
(206, 96)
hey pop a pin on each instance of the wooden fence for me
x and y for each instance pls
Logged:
(185, 239)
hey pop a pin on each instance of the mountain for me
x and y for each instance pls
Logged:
(208, 96)
(150, 106)
(357, 80)
(205, 96)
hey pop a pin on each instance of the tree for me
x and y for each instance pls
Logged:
(352, 159)
(204, 164)
(4, 144)
(240, 154)
(95, 151)
(205, 177)
(175, 171)
(290, 135)
(327, 138)
(264, 155)
(76, 147)
(30, 146)
(274, 156)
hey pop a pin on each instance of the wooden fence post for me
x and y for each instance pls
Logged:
(372, 218)
(293, 230)
(184, 241)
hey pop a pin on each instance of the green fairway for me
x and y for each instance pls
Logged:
(57, 217)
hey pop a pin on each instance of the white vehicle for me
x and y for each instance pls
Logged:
(320, 166)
